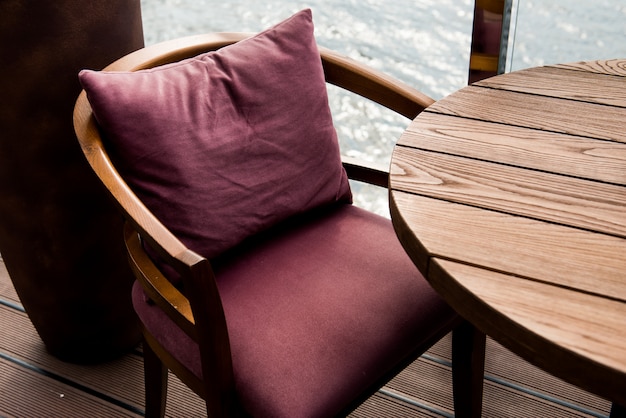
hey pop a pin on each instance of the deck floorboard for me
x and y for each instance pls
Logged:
(35, 384)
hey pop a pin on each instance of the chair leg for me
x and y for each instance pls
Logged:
(155, 381)
(468, 367)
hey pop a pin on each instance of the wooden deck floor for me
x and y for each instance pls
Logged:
(35, 384)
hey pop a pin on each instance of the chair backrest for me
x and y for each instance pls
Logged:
(339, 70)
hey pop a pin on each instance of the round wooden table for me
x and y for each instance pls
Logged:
(510, 197)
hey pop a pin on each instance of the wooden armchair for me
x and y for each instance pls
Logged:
(307, 318)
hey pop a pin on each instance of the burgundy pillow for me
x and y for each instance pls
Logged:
(229, 143)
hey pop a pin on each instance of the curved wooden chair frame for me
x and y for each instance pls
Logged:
(194, 313)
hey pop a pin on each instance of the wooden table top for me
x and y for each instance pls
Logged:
(510, 197)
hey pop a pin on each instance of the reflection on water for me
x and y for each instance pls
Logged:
(425, 42)
(559, 31)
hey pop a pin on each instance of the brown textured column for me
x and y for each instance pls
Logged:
(60, 236)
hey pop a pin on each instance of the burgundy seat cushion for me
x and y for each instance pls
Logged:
(229, 143)
(316, 313)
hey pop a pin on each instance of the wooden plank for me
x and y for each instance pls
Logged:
(25, 393)
(20, 340)
(182, 401)
(510, 370)
(586, 324)
(568, 257)
(500, 401)
(535, 112)
(386, 406)
(120, 379)
(583, 86)
(613, 66)
(533, 149)
(539, 195)
(411, 382)
(583, 331)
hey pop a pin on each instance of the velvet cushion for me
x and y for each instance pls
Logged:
(335, 302)
(228, 143)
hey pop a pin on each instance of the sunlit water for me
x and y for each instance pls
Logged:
(424, 43)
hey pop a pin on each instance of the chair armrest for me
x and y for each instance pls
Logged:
(374, 85)
(381, 88)
(339, 69)
(366, 171)
(161, 291)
